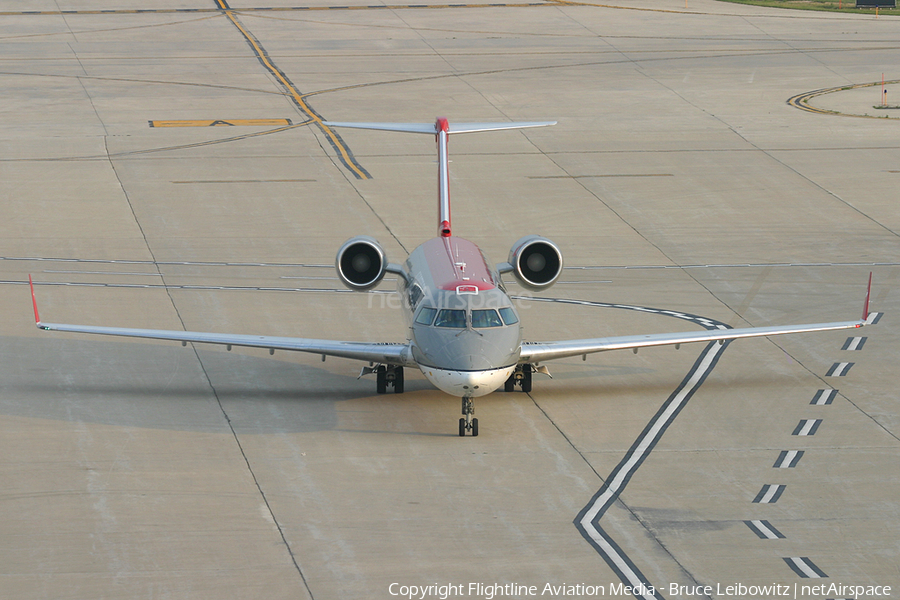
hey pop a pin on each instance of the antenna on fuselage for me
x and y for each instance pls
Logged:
(441, 129)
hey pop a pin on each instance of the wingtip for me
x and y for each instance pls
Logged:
(37, 318)
(865, 315)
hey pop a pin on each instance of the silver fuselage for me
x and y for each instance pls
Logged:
(465, 334)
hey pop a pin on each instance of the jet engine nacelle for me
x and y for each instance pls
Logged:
(361, 263)
(536, 262)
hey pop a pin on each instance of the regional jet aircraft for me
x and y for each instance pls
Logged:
(465, 335)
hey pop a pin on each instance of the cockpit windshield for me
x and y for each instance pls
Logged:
(509, 315)
(426, 315)
(449, 317)
(456, 318)
(486, 318)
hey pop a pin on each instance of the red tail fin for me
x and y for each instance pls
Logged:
(865, 315)
(37, 319)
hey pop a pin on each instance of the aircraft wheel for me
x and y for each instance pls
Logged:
(381, 379)
(398, 380)
(462, 428)
(510, 384)
(526, 378)
(474, 427)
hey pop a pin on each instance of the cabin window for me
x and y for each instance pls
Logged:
(415, 295)
(509, 316)
(486, 318)
(448, 317)
(426, 315)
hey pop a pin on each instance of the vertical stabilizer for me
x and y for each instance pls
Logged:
(442, 135)
(442, 130)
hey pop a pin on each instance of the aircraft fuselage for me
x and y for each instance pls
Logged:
(464, 330)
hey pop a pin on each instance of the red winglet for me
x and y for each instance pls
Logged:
(865, 315)
(37, 319)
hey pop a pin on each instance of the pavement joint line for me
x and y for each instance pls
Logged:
(137, 11)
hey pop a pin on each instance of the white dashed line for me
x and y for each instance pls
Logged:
(769, 494)
(839, 369)
(807, 427)
(824, 397)
(765, 530)
(854, 343)
(788, 459)
(802, 566)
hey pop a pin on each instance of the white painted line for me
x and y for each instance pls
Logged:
(788, 459)
(624, 569)
(854, 343)
(764, 530)
(619, 478)
(769, 494)
(804, 567)
(807, 427)
(824, 397)
(839, 369)
(616, 484)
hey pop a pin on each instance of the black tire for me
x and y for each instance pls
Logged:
(381, 379)
(510, 384)
(526, 378)
(462, 428)
(398, 380)
(474, 427)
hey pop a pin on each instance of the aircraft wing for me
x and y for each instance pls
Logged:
(537, 352)
(533, 352)
(387, 353)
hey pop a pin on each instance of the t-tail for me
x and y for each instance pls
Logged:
(441, 130)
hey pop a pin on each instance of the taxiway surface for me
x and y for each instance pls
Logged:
(164, 166)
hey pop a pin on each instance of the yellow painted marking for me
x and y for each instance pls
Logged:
(223, 123)
(298, 98)
(599, 176)
(247, 181)
(801, 101)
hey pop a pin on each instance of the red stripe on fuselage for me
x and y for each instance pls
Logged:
(455, 262)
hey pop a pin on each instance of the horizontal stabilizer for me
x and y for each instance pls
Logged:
(430, 127)
(441, 129)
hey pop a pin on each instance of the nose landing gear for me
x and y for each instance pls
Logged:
(468, 422)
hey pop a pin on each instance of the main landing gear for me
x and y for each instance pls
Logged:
(386, 375)
(521, 377)
(468, 422)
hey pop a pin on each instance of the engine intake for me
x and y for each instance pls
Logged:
(536, 262)
(361, 263)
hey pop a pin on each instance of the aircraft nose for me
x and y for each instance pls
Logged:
(471, 384)
(470, 351)
(473, 362)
